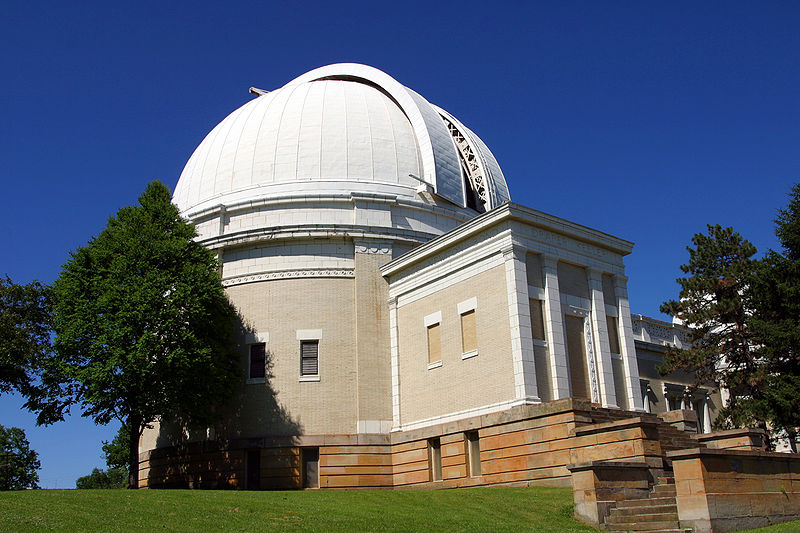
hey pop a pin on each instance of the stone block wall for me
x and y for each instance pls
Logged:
(729, 490)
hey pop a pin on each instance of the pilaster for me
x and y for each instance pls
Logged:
(554, 324)
(626, 345)
(519, 314)
(605, 372)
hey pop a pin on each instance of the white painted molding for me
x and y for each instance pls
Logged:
(309, 334)
(433, 318)
(468, 305)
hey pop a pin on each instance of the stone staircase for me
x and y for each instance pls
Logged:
(658, 512)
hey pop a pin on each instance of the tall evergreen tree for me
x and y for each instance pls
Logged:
(775, 294)
(143, 326)
(714, 304)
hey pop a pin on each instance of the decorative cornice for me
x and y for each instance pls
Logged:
(290, 274)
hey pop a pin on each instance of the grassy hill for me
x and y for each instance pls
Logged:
(479, 509)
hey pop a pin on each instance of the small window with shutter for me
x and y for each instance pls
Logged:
(309, 358)
(258, 354)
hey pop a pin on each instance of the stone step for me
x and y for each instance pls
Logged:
(665, 480)
(664, 490)
(641, 518)
(627, 511)
(644, 526)
(645, 502)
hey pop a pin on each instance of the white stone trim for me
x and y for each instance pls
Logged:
(257, 338)
(433, 318)
(468, 305)
(308, 334)
(435, 364)
(308, 378)
(470, 354)
(477, 411)
(290, 274)
(395, 360)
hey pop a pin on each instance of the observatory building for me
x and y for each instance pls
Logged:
(406, 324)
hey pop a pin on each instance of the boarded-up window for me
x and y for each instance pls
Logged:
(609, 294)
(572, 280)
(537, 319)
(434, 343)
(533, 267)
(469, 335)
(473, 449)
(576, 353)
(258, 353)
(435, 459)
(613, 333)
(309, 358)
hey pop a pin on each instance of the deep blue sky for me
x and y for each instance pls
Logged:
(645, 120)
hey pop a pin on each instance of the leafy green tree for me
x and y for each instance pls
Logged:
(143, 326)
(116, 451)
(113, 478)
(18, 463)
(714, 304)
(24, 334)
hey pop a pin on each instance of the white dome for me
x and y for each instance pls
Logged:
(339, 129)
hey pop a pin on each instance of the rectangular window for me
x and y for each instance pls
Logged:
(473, 450)
(469, 335)
(309, 358)
(537, 319)
(434, 343)
(258, 354)
(435, 459)
(613, 333)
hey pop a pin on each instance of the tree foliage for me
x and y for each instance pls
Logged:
(143, 327)
(745, 320)
(24, 334)
(18, 463)
(113, 478)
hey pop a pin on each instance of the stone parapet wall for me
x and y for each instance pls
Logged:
(730, 490)
(734, 439)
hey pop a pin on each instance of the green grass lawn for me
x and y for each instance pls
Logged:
(478, 509)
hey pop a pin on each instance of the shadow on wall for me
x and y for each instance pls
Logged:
(222, 456)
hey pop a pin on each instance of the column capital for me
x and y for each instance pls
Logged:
(515, 249)
(549, 262)
(620, 280)
(594, 273)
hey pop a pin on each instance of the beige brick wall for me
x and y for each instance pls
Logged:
(280, 308)
(458, 384)
(372, 338)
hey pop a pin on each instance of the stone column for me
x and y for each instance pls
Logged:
(628, 350)
(706, 414)
(519, 315)
(554, 329)
(605, 372)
